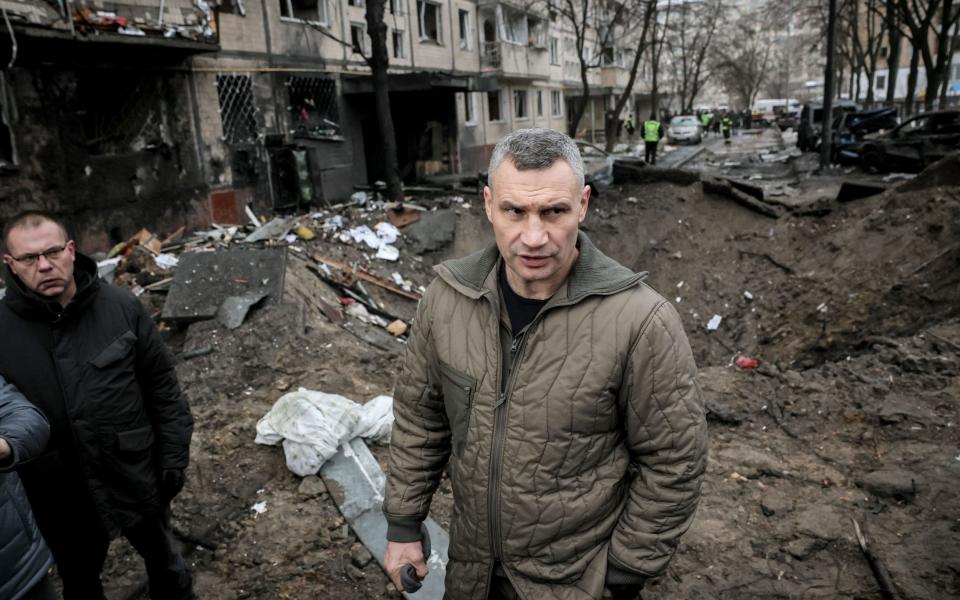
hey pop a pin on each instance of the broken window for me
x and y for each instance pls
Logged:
(466, 30)
(313, 11)
(513, 25)
(537, 32)
(493, 105)
(520, 104)
(469, 112)
(607, 53)
(554, 51)
(556, 109)
(8, 149)
(430, 26)
(122, 115)
(357, 37)
(313, 106)
(539, 103)
(398, 51)
(238, 112)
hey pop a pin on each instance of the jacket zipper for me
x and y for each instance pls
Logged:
(499, 440)
(500, 420)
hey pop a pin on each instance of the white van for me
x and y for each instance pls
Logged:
(765, 111)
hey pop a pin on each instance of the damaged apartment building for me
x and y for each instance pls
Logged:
(163, 113)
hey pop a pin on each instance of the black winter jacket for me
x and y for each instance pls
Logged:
(24, 556)
(102, 375)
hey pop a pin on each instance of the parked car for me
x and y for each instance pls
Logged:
(685, 128)
(811, 121)
(850, 129)
(913, 145)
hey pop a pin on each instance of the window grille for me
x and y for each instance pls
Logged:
(313, 106)
(238, 111)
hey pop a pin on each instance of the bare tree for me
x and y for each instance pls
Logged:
(688, 46)
(379, 61)
(659, 39)
(597, 25)
(612, 116)
(742, 58)
(924, 29)
(891, 16)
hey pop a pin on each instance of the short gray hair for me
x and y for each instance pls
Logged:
(536, 149)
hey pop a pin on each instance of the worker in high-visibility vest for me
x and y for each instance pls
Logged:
(652, 134)
(705, 120)
(727, 124)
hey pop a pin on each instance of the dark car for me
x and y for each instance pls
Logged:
(916, 143)
(850, 128)
(811, 120)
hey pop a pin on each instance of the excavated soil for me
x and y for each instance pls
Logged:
(854, 316)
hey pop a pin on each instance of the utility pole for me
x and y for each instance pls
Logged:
(826, 134)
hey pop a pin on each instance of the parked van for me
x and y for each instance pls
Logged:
(767, 110)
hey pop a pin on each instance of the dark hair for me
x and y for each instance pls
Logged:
(31, 218)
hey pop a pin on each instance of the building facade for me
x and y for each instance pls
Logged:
(118, 116)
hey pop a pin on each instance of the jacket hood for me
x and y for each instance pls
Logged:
(593, 272)
(31, 306)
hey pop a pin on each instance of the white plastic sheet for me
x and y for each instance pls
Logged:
(312, 425)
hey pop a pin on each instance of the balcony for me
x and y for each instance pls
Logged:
(133, 33)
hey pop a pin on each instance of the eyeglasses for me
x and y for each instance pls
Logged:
(49, 254)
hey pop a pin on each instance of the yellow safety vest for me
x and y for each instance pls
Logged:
(651, 131)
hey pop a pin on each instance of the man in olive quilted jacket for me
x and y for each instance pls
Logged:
(560, 393)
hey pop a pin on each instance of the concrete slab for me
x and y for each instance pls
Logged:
(205, 279)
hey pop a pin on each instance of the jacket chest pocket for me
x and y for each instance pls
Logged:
(458, 391)
(115, 352)
(110, 386)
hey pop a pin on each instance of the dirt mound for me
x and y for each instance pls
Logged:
(943, 173)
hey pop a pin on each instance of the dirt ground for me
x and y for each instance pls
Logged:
(852, 312)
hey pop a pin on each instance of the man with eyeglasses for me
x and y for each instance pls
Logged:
(90, 357)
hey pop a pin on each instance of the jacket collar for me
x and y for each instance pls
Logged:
(593, 273)
(30, 306)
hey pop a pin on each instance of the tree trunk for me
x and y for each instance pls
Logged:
(893, 51)
(825, 134)
(584, 97)
(911, 82)
(379, 61)
(610, 126)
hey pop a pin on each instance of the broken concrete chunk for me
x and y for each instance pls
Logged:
(433, 231)
(205, 279)
(274, 230)
(360, 556)
(311, 486)
(891, 483)
(233, 312)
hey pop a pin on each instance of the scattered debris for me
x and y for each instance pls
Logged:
(745, 362)
(714, 323)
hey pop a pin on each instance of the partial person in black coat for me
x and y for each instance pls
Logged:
(24, 556)
(89, 356)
